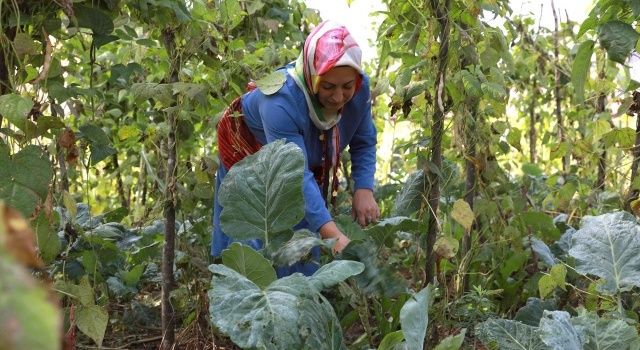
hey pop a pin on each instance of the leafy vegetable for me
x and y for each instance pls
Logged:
(606, 246)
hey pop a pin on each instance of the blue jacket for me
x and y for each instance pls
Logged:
(285, 115)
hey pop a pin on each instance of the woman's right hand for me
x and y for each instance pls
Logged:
(331, 231)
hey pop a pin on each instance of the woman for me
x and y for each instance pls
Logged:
(323, 106)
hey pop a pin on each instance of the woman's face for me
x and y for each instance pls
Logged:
(337, 87)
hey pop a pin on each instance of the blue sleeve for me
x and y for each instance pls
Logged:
(279, 124)
(363, 144)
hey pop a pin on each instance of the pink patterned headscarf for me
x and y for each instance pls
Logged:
(329, 45)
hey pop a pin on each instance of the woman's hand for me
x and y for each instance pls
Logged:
(331, 230)
(365, 209)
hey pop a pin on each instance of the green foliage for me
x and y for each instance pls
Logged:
(24, 178)
(512, 335)
(414, 317)
(28, 320)
(580, 69)
(261, 195)
(618, 38)
(247, 262)
(558, 333)
(605, 247)
(289, 313)
(270, 84)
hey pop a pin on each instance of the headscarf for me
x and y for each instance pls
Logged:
(329, 45)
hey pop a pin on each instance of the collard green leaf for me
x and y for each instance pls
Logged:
(270, 84)
(541, 249)
(558, 333)
(509, 335)
(580, 69)
(452, 342)
(297, 248)
(289, 314)
(414, 317)
(618, 38)
(384, 232)
(92, 321)
(532, 312)
(607, 246)
(250, 264)
(377, 277)
(391, 340)
(605, 334)
(410, 197)
(335, 272)
(261, 195)
(93, 18)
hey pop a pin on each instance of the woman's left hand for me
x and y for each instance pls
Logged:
(365, 209)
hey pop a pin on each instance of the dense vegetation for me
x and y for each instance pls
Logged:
(508, 197)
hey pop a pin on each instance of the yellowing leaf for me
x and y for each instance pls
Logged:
(446, 247)
(558, 274)
(70, 204)
(463, 214)
(127, 132)
(546, 284)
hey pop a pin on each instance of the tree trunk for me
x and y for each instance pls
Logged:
(168, 253)
(602, 160)
(633, 193)
(119, 184)
(558, 110)
(533, 135)
(433, 196)
(5, 63)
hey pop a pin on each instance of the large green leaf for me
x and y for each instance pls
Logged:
(261, 195)
(24, 178)
(605, 334)
(607, 246)
(289, 314)
(384, 232)
(28, 319)
(377, 277)
(580, 69)
(297, 248)
(410, 197)
(99, 143)
(618, 38)
(452, 342)
(335, 272)
(93, 18)
(48, 241)
(92, 320)
(509, 335)
(414, 317)
(532, 312)
(15, 109)
(250, 264)
(558, 333)
(270, 84)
